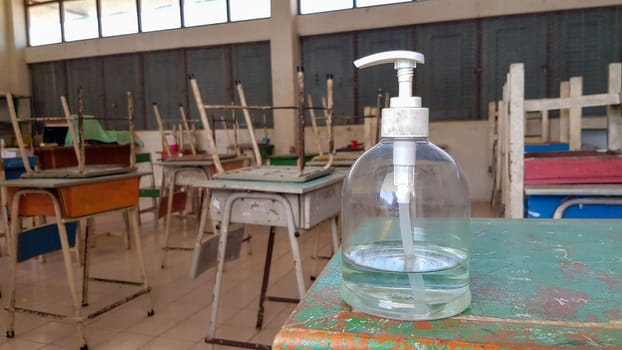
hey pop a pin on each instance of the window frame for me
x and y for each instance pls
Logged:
(98, 4)
(352, 7)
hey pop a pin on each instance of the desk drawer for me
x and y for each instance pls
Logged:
(94, 198)
(253, 211)
(80, 200)
(309, 209)
(321, 204)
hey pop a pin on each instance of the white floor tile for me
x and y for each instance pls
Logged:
(125, 341)
(20, 344)
(167, 344)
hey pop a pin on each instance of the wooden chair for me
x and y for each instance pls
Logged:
(149, 190)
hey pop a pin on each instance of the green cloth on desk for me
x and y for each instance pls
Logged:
(93, 131)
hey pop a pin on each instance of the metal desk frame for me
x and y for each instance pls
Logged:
(170, 171)
(48, 187)
(603, 194)
(253, 190)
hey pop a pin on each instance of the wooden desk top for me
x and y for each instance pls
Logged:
(537, 284)
(66, 182)
(198, 162)
(64, 156)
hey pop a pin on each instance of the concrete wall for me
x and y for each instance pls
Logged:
(467, 142)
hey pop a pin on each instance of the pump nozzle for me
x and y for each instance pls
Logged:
(406, 59)
(404, 63)
(405, 118)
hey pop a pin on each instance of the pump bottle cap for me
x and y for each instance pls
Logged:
(405, 118)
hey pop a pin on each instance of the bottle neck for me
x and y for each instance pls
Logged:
(394, 139)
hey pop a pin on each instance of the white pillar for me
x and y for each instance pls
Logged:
(574, 119)
(614, 112)
(13, 67)
(14, 77)
(517, 140)
(285, 56)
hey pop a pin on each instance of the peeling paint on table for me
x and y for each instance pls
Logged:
(538, 284)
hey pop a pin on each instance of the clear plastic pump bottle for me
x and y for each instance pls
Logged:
(405, 215)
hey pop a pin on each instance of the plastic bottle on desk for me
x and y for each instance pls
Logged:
(405, 215)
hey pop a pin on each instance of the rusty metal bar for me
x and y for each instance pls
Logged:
(237, 344)
(112, 306)
(258, 107)
(130, 120)
(328, 113)
(266, 278)
(301, 120)
(81, 159)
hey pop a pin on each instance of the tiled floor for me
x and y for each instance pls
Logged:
(182, 305)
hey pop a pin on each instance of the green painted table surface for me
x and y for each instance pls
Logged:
(536, 284)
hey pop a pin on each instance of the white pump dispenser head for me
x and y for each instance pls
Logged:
(405, 118)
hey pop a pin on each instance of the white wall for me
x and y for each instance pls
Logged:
(466, 141)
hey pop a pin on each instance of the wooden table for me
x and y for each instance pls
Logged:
(53, 157)
(70, 200)
(295, 205)
(537, 284)
(200, 169)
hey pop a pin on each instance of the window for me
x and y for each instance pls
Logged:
(118, 17)
(249, 9)
(315, 6)
(44, 24)
(365, 3)
(80, 20)
(159, 14)
(201, 12)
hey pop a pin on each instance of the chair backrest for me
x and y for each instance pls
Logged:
(145, 158)
(174, 139)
